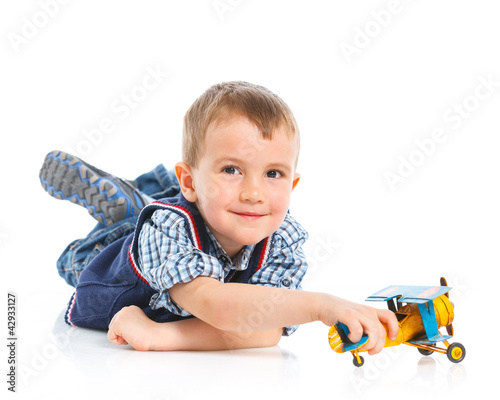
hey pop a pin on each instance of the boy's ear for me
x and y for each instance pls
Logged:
(184, 175)
(296, 180)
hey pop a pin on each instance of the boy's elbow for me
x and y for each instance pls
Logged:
(208, 300)
(224, 316)
(273, 337)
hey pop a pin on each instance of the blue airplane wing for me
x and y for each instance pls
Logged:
(343, 331)
(432, 340)
(409, 294)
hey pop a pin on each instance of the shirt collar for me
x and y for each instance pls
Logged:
(239, 262)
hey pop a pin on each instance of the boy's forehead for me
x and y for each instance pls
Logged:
(240, 138)
(219, 128)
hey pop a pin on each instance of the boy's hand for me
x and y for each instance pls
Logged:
(361, 319)
(131, 326)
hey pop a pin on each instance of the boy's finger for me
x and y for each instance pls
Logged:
(373, 332)
(389, 319)
(112, 335)
(378, 340)
(355, 331)
(116, 338)
(120, 341)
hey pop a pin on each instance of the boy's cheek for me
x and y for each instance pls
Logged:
(280, 201)
(211, 191)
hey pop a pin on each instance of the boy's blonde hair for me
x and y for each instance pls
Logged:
(223, 101)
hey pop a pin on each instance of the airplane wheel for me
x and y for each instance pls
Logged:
(355, 361)
(425, 352)
(456, 352)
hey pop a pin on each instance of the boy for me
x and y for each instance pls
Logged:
(213, 266)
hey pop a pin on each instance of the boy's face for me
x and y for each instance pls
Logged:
(243, 182)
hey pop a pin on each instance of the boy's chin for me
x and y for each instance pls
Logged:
(249, 239)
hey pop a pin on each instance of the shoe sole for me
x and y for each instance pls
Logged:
(66, 177)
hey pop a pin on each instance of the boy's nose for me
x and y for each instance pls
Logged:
(252, 192)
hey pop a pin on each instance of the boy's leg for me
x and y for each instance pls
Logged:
(107, 198)
(158, 183)
(67, 177)
(79, 253)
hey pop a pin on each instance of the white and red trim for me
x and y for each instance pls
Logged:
(264, 252)
(190, 218)
(70, 309)
(134, 265)
(192, 228)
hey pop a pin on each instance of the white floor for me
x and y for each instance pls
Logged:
(397, 103)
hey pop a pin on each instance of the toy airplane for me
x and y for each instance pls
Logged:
(427, 309)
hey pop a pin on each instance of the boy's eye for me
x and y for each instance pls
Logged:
(273, 174)
(231, 170)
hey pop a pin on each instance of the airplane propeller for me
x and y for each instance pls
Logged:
(449, 328)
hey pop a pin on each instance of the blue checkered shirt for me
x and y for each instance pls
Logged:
(168, 256)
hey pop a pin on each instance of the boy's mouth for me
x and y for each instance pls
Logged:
(250, 216)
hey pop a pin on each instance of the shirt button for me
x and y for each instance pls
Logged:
(286, 282)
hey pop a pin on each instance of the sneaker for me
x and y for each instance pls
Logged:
(107, 198)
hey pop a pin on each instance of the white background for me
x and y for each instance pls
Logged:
(367, 81)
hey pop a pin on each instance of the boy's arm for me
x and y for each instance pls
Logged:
(233, 315)
(246, 308)
(132, 326)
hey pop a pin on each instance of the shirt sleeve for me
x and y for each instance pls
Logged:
(286, 264)
(167, 256)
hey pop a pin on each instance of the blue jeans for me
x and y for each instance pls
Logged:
(158, 183)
